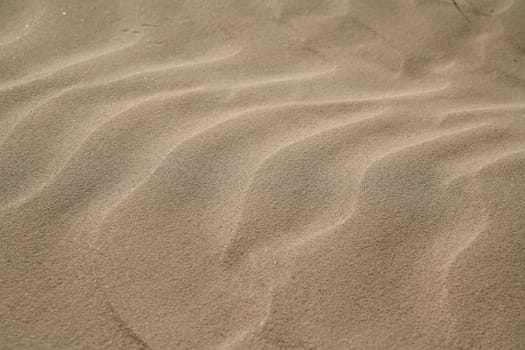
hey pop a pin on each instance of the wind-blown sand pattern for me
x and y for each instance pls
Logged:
(262, 174)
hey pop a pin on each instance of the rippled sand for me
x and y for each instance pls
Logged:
(262, 174)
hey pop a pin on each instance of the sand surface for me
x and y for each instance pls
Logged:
(262, 174)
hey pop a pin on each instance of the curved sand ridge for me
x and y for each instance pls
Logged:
(262, 175)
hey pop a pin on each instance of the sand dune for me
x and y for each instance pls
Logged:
(266, 174)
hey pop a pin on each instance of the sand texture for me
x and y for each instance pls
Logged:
(262, 174)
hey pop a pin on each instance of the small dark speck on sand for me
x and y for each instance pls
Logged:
(460, 10)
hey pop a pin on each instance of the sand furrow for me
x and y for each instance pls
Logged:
(221, 124)
(232, 248)
(72, 62)
(306, 235)
(117, 81)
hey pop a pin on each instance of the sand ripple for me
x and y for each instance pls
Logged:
(262, 175)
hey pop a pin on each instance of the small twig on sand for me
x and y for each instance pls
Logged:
(460, 11)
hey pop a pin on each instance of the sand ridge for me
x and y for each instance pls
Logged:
(337, 174)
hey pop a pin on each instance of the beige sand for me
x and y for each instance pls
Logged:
(262, 174)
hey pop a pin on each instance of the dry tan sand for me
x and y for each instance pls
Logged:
(262, 174)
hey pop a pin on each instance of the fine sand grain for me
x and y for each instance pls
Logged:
(262, 174)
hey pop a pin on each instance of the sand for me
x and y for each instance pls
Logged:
(262, 174)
